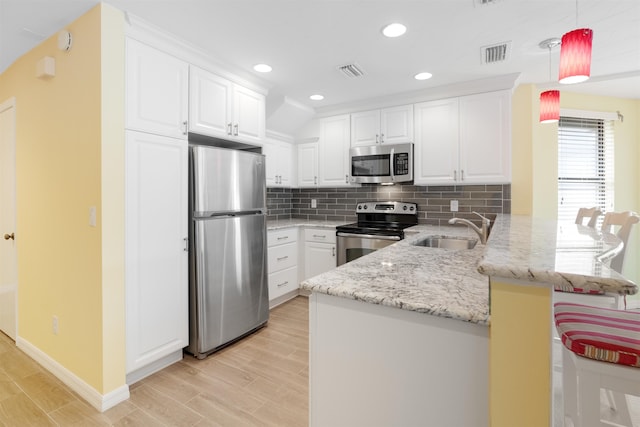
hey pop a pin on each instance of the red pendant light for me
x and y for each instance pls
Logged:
(550, 106)
(575, 56)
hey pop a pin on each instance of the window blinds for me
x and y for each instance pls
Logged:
(585, 165)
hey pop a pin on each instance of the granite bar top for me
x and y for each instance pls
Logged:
(299, 222)
(567, 256)
(454, 283)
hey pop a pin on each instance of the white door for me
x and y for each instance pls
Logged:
(333, 151)
(437, 142)
(210, 104)
(8, 255)
(249, 114)
(308, 164)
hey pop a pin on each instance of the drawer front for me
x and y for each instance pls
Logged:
(327, 235)
(282, 282)
(280, 237)
(282, 256)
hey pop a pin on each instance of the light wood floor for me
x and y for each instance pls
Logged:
(259, 381)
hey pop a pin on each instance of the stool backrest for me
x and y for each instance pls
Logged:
(591, 213)
(625, 220)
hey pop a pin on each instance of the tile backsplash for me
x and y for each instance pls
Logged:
(433, 201)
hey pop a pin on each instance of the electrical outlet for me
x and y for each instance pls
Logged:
(453, 206)
(314, 203)
(54, 325)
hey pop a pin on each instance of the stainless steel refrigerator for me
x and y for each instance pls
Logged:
(228, 247)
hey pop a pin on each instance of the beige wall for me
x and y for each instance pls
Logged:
(64, 155)
(535, 157)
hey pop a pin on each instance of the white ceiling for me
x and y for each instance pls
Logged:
(306, 40)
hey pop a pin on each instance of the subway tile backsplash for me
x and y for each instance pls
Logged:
(433, 201)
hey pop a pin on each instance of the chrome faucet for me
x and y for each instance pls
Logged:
(483, 232)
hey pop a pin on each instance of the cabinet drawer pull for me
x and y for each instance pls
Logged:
(324, 236)
(283, 257)
(283, 237)
(279, 285)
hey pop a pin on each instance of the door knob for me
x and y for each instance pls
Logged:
(9, 236)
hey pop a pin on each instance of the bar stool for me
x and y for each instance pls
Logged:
(592, 213)
(601, 350)
(626, 221)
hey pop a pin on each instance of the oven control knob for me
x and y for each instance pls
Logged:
(365, 206)
(404, 208)
(359, 207)
(411, 208)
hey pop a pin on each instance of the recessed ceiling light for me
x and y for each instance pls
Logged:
(394, 30)
(423, 76)
(262, 68)
(316, 97)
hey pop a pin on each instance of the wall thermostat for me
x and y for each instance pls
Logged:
(64, 40)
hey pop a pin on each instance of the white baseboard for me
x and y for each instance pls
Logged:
(101, 402)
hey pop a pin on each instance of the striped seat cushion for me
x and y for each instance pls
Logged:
(600, 333)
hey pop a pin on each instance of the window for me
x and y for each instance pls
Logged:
(585, 165)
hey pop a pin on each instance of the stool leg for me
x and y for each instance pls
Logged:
(588, 398)
(569, 386)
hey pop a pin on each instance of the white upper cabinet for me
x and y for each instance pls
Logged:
(156, 91)
(333, 151)
(485, 138)
(437, 142)
(465, 140)
(279, 161)
(389, 125)
(308, 164)
(223, 109)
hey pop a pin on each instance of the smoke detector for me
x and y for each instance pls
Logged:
(495, 53)
(351, 70)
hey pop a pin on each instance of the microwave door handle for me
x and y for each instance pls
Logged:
(393, 150)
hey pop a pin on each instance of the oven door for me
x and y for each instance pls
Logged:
(352, 246)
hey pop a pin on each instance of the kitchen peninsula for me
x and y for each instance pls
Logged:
(402, 336)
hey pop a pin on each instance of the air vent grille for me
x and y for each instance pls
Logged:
(485, 2)
(495, 53)
(351, 70)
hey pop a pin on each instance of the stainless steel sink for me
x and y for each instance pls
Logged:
(447, 242)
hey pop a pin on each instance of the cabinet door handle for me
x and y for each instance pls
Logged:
(461, 174)
(377, 139)
(186, 127)
(228, 128)
(282, 284)
(315, 180)
(333, 251)
(382, 138)
(455, 175)
(235, 129)
(283, 257)
(346, 179)
(186, 244)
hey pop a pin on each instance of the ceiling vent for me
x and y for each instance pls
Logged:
(351, 70)
(495, 53)
(485, 2)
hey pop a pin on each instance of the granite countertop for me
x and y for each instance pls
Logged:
(566, 256)
(299, 222)
(442, 282)
(454, 283)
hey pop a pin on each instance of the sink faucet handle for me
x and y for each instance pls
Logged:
(484, 218)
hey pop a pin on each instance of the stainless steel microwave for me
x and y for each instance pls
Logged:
(381, 163)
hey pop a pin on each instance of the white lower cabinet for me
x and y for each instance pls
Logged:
(283, 263)
(319, 251)
(156, 276)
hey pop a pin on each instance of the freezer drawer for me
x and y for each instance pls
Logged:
(229, 290)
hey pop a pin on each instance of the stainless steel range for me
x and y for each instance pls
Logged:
(379, 224)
